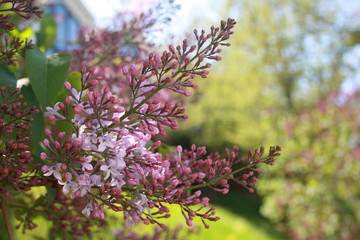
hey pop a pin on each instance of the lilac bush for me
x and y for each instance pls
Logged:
(98, 149)
(321, 180)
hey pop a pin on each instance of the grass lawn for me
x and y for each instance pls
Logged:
(230, 227)
(240, 219)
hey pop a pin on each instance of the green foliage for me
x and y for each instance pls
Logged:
(313, 191)
(23, 34)
(285, 55)
(7, 78)
(37, 127)
(47, 35)
(74, 79)
(47, 74)
(229, 227)
(218, 119)
(166, 149)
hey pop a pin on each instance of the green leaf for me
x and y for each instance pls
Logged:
(47, 34)
(23, 35)
(75, 80)
(149, 144)
(51, 194)
(47, 74)
(7, 78)
(164, 148)
(36, 68)
(57, 70)
(40, 201)
(37, 127)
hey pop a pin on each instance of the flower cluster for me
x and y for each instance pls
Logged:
(106, 156)
(66, 216)
(125, 43)
(10, 47)
(15, 139)
(23, 8)
(5, 24)
(110, 160)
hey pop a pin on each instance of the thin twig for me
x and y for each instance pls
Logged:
(7, 220)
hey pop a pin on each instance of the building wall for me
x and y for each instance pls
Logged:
(70, 16)
(67, 27)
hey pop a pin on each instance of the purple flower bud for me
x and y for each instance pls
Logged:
(44, 168)
(67, 85)
(46, 143)
(43, 156)
(47, 132)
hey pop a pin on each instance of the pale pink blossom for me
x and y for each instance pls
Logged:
(54, 111)
(86, 163)
(53, 169)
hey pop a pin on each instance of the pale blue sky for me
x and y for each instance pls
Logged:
(105, 11)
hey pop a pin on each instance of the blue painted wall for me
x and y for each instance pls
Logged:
(67, 27)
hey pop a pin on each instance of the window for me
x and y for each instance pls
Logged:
(67, 27)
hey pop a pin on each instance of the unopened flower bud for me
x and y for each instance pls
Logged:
(78, 108)
(67, 85)
(45, 168)
(116, 120)
(57, 145)
(179, 149)
(5, 170)
(172, 49)
(46, 143)
(94, 82)
(187, 93)
(168, 79)
(61, 106)
(174, 65)
(43, 156)
(92, 70)
(142, 77)
(224, 190)
(67, 176)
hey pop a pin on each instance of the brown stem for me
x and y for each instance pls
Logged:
(205, 184)
(7, 220)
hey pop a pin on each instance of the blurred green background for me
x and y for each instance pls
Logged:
(290, 78)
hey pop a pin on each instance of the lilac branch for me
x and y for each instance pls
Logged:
(5, 212)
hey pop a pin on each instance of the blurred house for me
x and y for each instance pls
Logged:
(70, 16)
